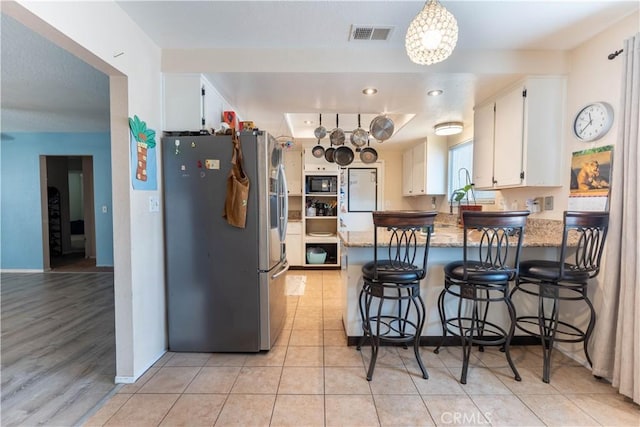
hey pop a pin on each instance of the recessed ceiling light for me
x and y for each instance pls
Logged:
(308, 122)
(435, 92)
(369, 90)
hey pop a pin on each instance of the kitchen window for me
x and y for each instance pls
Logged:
(460, 158)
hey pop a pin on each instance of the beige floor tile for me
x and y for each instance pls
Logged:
(608, 409)
(507, 411)
(310, 301)
(299, 380)
(451, 357)
(342, 356)
(387, 356)
(195, 410)
(283, 338)
(351, 410)
(143, 410)
(189, 359)
(258, 379)
(214, 379)
(531, 382)
(246, 410)
(556, 410)
(333, 303)
(346, 381)
(335, 338)
(454, 410)
(481, 381)
(296, 411)
(576, 380)
(306, 337)
(333, 324)
(170, 379)
(308, 323)
(227, 359)
(402, 410)
(107, 410)
(165, 357)
(429, 358)
(492, 357)
(273, 357)
(440, 381)
(133, 388)
(309, 312)
(332, 312)
(392, 380)
(304, 356)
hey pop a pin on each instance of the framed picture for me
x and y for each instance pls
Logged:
(591, 172)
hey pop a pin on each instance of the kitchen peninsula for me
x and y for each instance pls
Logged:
(541, 241)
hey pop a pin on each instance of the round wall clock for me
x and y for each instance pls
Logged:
(593, 121)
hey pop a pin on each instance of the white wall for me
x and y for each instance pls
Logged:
(101, 34)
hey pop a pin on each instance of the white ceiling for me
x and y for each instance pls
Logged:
(273, 58)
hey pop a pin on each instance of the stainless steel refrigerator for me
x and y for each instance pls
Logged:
(225, 285)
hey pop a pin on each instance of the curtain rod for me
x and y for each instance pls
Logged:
(614, 54)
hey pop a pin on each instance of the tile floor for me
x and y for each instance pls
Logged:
(311, 378)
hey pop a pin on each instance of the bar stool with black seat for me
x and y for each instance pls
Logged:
(564, 279)
(391, 308)
(492, 243)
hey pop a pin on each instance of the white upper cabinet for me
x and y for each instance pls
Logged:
(483, 127)
(518, 136)
(317, 164)
(293, 170)
(424, 169)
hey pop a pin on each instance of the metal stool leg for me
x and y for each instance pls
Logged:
(548, 325)
(421, 313)
(442, 319)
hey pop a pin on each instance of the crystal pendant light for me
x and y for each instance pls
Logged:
(432, 35)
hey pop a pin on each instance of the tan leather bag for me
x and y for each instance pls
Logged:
(235, 204)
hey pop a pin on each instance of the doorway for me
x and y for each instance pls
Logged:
(68, 214)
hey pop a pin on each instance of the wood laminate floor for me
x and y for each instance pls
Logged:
(57, 346)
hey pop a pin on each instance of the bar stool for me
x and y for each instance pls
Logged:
(391, 307)
(492, 242)
(565, 279)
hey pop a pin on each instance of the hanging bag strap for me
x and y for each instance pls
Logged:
(235, 206)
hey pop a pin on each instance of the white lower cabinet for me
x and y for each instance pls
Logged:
(293, 244)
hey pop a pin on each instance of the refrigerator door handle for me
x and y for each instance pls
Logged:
(284, 269)
(284, 203)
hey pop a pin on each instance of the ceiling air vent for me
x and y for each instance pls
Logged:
(361, 32)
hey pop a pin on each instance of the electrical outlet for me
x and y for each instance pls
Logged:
(548, 203)
(154, 204)
(538, 204)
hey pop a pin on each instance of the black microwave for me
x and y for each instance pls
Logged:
(321, 184)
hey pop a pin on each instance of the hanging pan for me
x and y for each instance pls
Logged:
(381, 128)
(320, 131)
(337, 135)
(318, 151)
(359, 136)
(343, 156)
(328, 153)
(368, 154)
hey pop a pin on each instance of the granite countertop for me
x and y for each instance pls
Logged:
(538, 233)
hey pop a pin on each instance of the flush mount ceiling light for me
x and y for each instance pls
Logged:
(448, 128)
(432, 35)
(308, 122)
(435, 92)
(369, 90)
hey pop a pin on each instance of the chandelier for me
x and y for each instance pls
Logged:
(432, 35)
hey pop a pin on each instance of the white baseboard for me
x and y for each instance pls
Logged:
(131, 380)
(25, 270)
